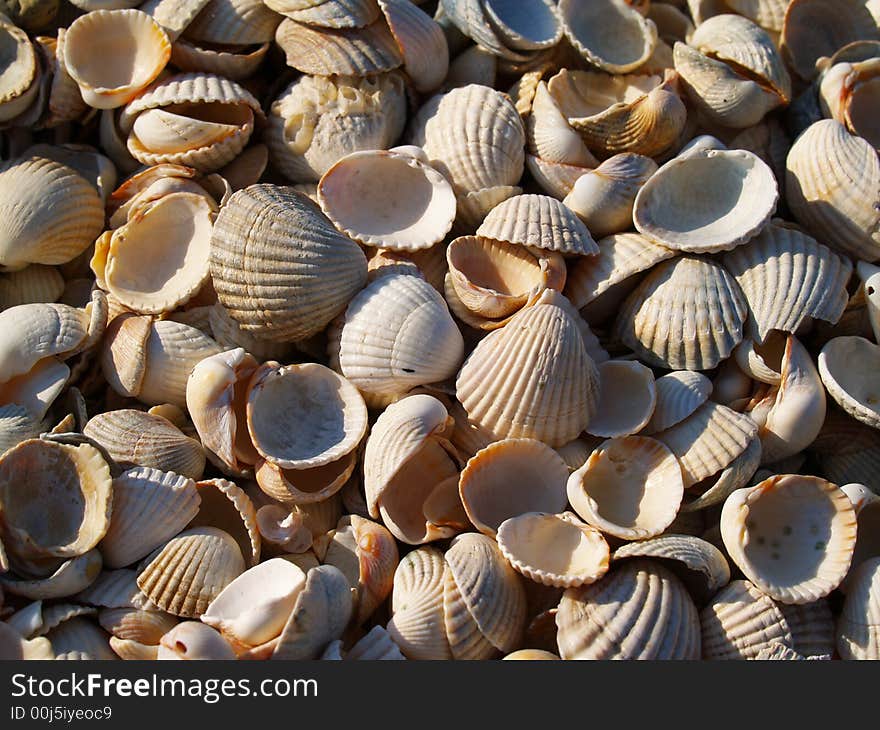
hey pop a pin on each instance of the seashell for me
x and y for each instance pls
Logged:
(769, 14)
(470, 18)
(21, 71)
(867, 506)
(134, 625)
(417, 619)
(524, 26)
(575, 453)
(226, 506)
(847, 366)
(847, 93)
(30, 285)
(421, 42)
(540, 386)
(136, 438)
(538, 221)
(687, 313)
(236, 63)
(114, 54)
(554, 178)
(316, 121)
(627, 398)
(846, 449)
(823, 525)
(549, 135)
(743, 200)
(375, 645)
(266, 241)
(608, 33)
(52, 213)
(233, 21)
(345, 51)
(531, 655)
(284, 528)
(554, 550)
(14, 646)
(639, 610)
(835, 200)
(407, 459)
(116, 589)
(149, 508)
(788, 277)
(73, 576)
(679, 394)
(254, 607)
(857, 627)
(509, 478)
(417, 343)
(305, 486)
(740, 622)
(630, 488)
(191, 570)
(812, 628)
(329, 13)
(191, 640)
(388, 199)
(484, 603)
(81, 636)
(227, 333)
(129, 650)
(870, 276)
(769, 141)
(474, 65)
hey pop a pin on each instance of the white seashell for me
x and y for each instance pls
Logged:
(376, 645)
(867, 506)
(858, 628)
(231, 21)
(679, 394)
(627, 398)
(549, 135)
(73, 576)
(191, 640)
(421, 42)
(848, 367)
(812, 628)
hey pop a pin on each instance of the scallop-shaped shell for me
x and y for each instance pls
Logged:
(192, 641)
(528, 25)
(509, 478)
(114, 54)
(241, 22)
(769, 14)
(831, 185)
(149, 507)
(20, 82)
(132, 624)
(630, 488)
(554, 178)
(812, 628)
(847, 93)
(133, 437)
(554, 399)
(788, 277)
(267, 240)
(32, 284)
(227, 506)
(858, 628)
(73, 576)
(847, 450)
(328, 13)
(79, 638)
(679, 394)
(421, 42)
(627, 398)
(484, 603)
(191, 570)
(237, 63)
(674, 209)
(848, 366)
(51, 212)
(470, 18)
(344, 51)
(740, 622)
(396, 334)
(538, 221)
(639, 610)
(609, 33)
(549, 135)
(688, 313)
(388, 199)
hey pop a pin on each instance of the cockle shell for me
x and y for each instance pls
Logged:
(627, 398)
(847, 450)
(867, 506)
(376, 645)
(549, 135)
(848, 92)
(30, 285)
(192, 641)
(474, 65)
(527, 26)
(232, 21)
(304, 486)
(679, 394)
(227, 506)
(421, 42)
(469, 17)
(554, 178)
(639, 610)
(328, 13)
(20, 83)
(132, 624)
(79, 638)
(848, 366)
(812, 628)
(235, 62)
(769, 14)
(74, 575)
(858, 628)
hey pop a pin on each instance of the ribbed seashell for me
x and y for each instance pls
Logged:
(812, 29)
(73, 576)
(129, 650)
(526, 26)
(421, 42)
(254, 607)
(133, 437)
(627, 398)
(367, 555)
(679, 394)
(793, 554)
(191, 640)
(744, 195)
(608, 33)
(870, 276)
(227, 333)
(847, 450)
(417, 620)
(236, 62)
(847, 93)
(769, 14)
(688, 313)
(484, 603)
(554, 550)
(639, 610)
(132, 48)
(486, 392)
(549, 135)
(132, 624)
(30, 285)
(267, 241)
(554, 178)
(328, 13)
(304, 486)
(831, 186)
(226, 506)
(322, 611)
(509, 478)
(316, 121)
(233, 21)
(376, 645)
(740, 621)
(858, 628)
(149, 507)
(79, 638)
(345, 51)
(21, 71)
(630, 488)
(388, 199)
(17, 423)
(867, 506)
(474, 65)
(51, 212)
(396, 334)
(469, 17)
(848, 367)
(191, 570)
(812, 628)
(407, 460)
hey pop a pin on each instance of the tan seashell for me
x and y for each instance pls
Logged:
(627, 398)
(687, 313)
(30, 285)
(470, 18)
(639, 610)
(233, 21)
(867, 506)
(114, 54)
(73, 576)
(474, 65)
(247, 168)
(236, 63)
(484, 603)
(173, 15)
(80, 639)
(812, 628)
(21, 71)
(769, 14)
(554, 178)
(486, 391)
(847, 93)
(421, 42)
(575, 453)
(388, 199)
(305, 486)
(129, 650)
(227, 332)
(608, 33)
(375, 645)
(835, 199)
(284, 528)
(531, 655)
(149, 507)
(679, 394)
(549, 135)
(740, 622)
(136, 438)
(191, 570)
(226, 506)
(857, 628)
(630, 488)
(132, 624)
(266, 241)
(191, 640)
(848, 366)
(329, 13)
(509, 478)
(846, 449)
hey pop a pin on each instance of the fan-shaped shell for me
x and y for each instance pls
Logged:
(627, 398)
(329, 13)
(858, 628)
(848, 93)
(848, 366)
(549, 135)
(237, 63)
(227, 506)
(421, 42)
(679, 394)
(233, 21)
(32, 284)
(812, 628)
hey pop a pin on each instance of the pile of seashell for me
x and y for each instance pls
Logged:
(378, 329)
